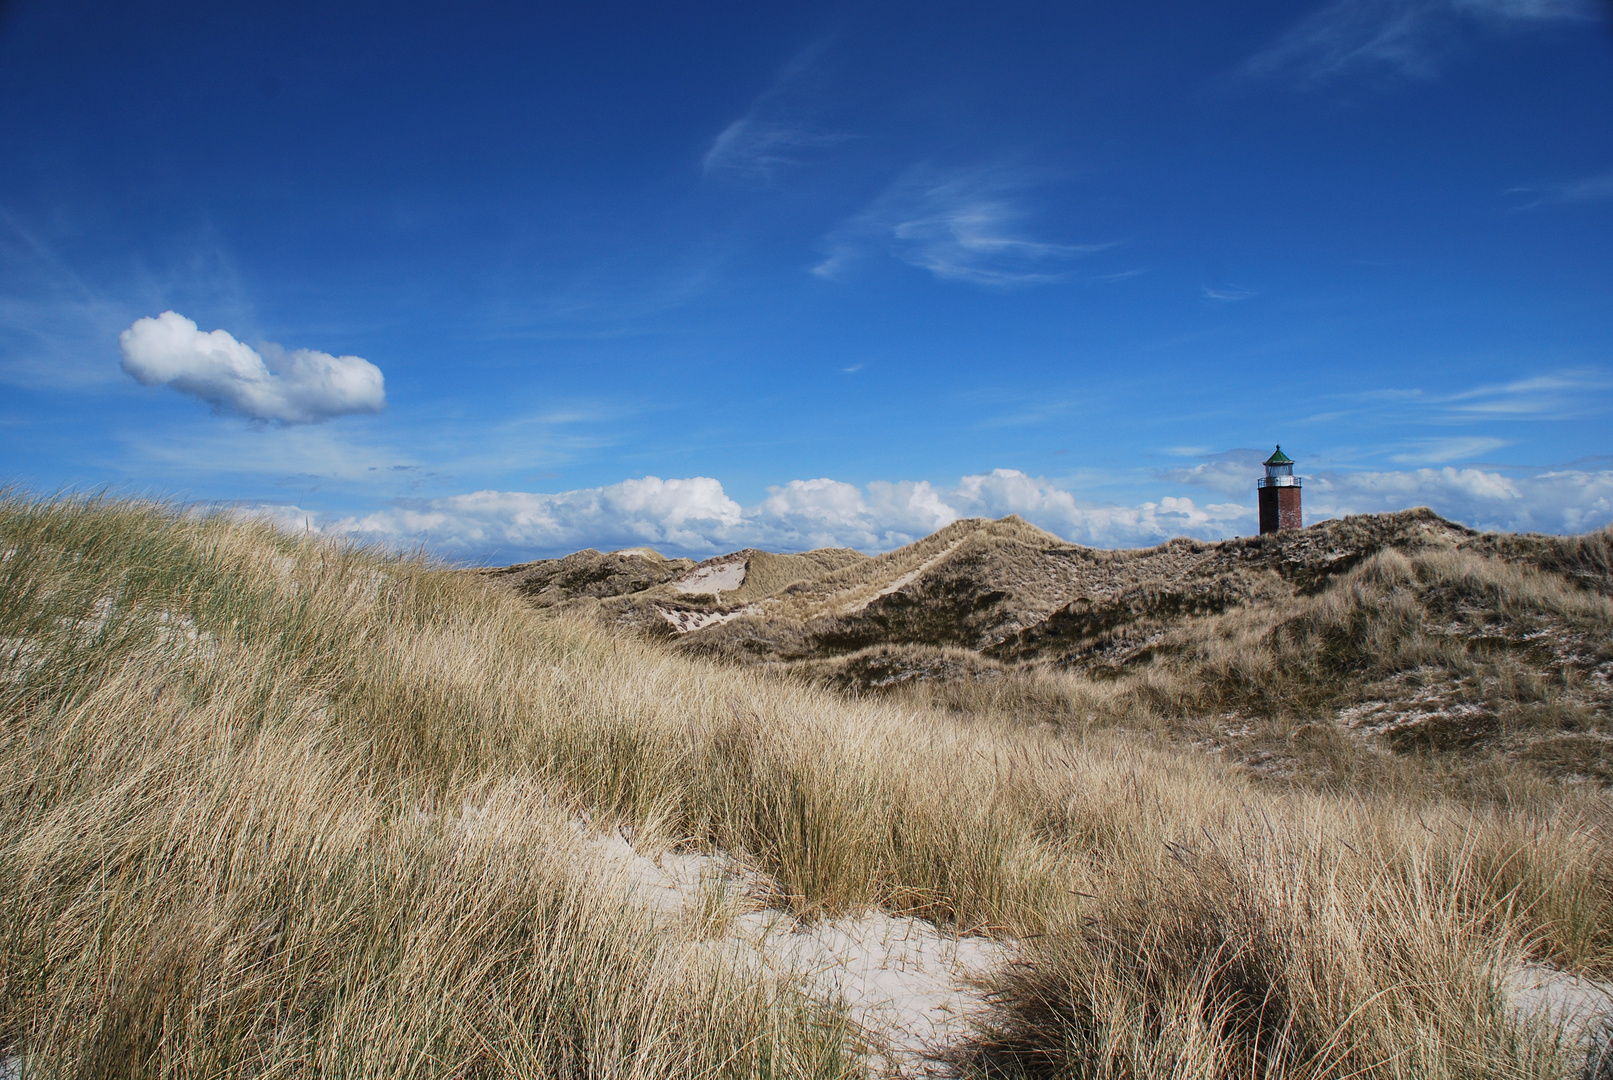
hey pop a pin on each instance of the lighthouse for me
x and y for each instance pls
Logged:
(1279, 494)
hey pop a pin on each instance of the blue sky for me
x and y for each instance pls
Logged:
(512, 280)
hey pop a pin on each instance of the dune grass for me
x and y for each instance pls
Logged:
(277, 806)
(1499, 665)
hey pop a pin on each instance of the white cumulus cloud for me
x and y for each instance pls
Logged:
(1039, 501)
(1558, 501)
(695, 516)
(678, 515)
(828, 513)
(1231, 473)
(299, 386)
(287, 517)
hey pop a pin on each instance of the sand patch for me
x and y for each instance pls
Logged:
(642, 553)
(687, 621)
(1580, 1006)
(714, 577)
(911, 988)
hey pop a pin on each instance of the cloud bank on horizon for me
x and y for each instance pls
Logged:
(695, 516)
(301, 386)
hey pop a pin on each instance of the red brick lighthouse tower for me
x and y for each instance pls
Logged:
(1279, 494)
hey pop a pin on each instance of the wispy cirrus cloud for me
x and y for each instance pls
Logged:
(1563, 394)
(1409, 38)
(1231, 472)
(778, 130)
(755, 150)
(1226, 293)
(55, 323)
(1438, 451)
(1586, 189)
(1559, 395)
(968, 225)
(325, 457)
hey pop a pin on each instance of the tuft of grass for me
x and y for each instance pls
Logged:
(1283, 956)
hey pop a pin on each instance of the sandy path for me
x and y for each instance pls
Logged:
(901, 582)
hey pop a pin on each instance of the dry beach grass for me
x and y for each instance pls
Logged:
(273, 806)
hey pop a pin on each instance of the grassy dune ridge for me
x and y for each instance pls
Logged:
(278, 806)
(1464, 663)
(1368, 650)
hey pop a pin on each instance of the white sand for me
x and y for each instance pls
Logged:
(911, 988)
(714, 577)
(1580, 1009)
(1578, 1005)
(685, 621)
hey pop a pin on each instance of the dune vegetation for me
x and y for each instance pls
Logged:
(1443, 665)
(279, 806)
